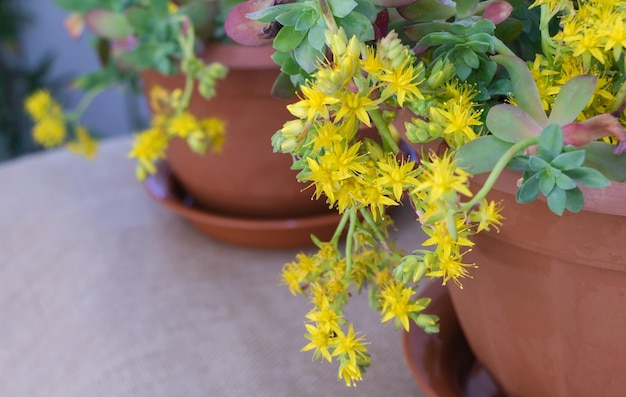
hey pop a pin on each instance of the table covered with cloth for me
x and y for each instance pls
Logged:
(104, 292)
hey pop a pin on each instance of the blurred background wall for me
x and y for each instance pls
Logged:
(33, 40)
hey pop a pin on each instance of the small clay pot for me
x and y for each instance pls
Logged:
(246, 178)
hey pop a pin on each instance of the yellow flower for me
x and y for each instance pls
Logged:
(40, 104)
(351, 345)
(313, 104)
(396, 176)
(451, 268)
(148, 147)
(354, 105)
(396, 304)
(183, 124)
(49, 131)
(215, 130)
(403, 82)
(442, 179)
(320, 341)
(326, 318)
(84, 144)
(487, 215)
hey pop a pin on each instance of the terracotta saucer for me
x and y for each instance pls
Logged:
(247, 232)
(443, 364)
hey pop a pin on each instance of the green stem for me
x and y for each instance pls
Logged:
(375, 229)
(383, 130)
(85, 101)
(329, 18)
(349, 240)
(342, 225)
(497, 170)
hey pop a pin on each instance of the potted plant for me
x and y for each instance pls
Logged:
(178, 54)
(523, 103)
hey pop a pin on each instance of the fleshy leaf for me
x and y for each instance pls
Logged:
(596, 127)
(529, 190)
(242, 28)
(574, 199)
(465, 8)
(481, 154)
(511, 124)
(108, 24)
(600, 156)
(427, 10)
(342, 8)
(283, 87)
(524, 87)
(572, 99)
(498, 11)
(551, 142)
(556, 201)
(569, 160)
(588, 177)
(392, 3)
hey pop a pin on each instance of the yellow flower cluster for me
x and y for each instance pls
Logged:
(51, 126)
(49, 129)
(361, 176)
(167, 123)
(595, 30)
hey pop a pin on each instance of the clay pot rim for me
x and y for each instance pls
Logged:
(239, 57)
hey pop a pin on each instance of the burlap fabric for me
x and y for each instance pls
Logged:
(103, 292)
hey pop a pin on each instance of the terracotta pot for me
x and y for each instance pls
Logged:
(246, 178)
(545, 311)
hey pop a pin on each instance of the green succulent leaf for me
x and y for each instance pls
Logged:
(307, 20)
(600, 156)
(368, 9)
(270, 14)
(557, 200)
(509, 30)
(529, 190)
(588, 177)
(290, 18)
(426, 11)
(439, 38)
(524, 87)
(466, 8)
(551, 142)
(470, 58)
(565, 182)
(462, 69)
(316, 37)
(519, 163)
(140, 19)
(511, 123)
(481, 154)
(283, 87)
(417, 32)
(572, 99)
(306, 56)
(288, 38)
(80, 6)
(357, 24)
(537, 164)
(342, 8)
(569, 160)
(481, 26)
(547, 181)
(574, 199)
(108, 24)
